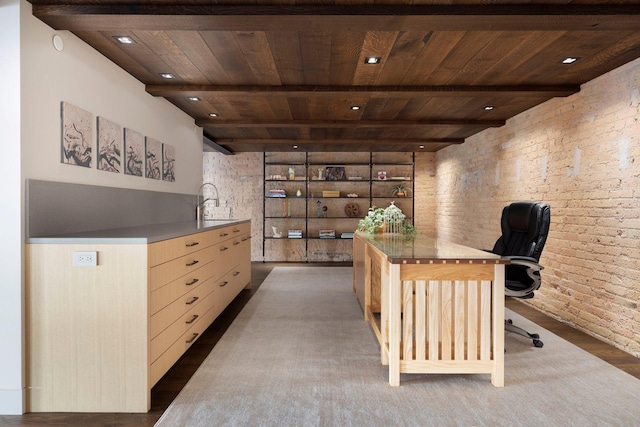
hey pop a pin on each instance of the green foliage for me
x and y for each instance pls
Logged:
(391, 217)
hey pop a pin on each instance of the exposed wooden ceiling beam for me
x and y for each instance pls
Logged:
(301, 142)
(305, 91)
(195, 17)
(215, 146)
(217, 123)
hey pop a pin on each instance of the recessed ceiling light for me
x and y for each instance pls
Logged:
(372, 60)
(355, 107)
(167, 76)
(489, 107)
(213, 114)
(421, 147)
(124, 39)
(193, 98)
(569, 60)
(295, 147)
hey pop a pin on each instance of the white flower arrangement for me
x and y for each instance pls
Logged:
(386, 220)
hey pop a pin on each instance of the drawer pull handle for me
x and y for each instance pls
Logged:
(190, 245)
(224, 234)
(193, 282)
(193, 319)
(236, 231)
(194, 299)
(235, 273)
(224, 248)
(194, 262)
(193, 338)
(223, 284)
(236, 243)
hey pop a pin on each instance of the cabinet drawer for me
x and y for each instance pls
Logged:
(239, 229)
(168, 315)
(165, 295)
(231, 250)
(174, 331)
(162, 274)
(177, 349)
(166, 250)
(229, 286)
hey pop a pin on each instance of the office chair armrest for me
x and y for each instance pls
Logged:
(525, 260)
(532, 270)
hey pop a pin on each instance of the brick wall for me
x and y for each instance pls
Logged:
(577, 154)
(424, 195)
(239, 181)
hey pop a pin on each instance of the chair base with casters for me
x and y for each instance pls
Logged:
(510, 327)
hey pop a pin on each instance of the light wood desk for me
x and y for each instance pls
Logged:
(441, 304)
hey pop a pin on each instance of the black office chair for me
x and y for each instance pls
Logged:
(525, 226)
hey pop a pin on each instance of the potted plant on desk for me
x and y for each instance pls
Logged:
(384, 220)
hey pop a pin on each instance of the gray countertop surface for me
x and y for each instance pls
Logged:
(142, 234)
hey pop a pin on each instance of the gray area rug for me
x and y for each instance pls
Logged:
(300, 354)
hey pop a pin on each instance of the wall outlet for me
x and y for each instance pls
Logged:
(85, 259)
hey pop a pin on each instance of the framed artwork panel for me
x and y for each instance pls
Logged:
(109, 146)
(134, 152)
(153, 158)
(168, 163)
(77, 134)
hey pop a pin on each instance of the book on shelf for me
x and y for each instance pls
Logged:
(327, 234)
(295, 234)
(346, 236)
(276, 193)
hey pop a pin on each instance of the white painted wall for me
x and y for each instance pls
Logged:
(11, 360)
(85, 78)
(34, 80)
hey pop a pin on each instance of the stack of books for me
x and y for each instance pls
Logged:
(276, 193)
(295, 234)
(327, 234)
(346, 235)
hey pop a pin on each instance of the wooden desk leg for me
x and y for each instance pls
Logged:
(497, 376)
(395, 327)
(367, 283)
(384, 314)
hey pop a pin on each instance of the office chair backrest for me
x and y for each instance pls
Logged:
(525, 226)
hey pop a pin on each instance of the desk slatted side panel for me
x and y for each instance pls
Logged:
(446, 320)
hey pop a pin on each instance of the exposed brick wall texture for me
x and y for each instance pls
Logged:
(577, 154)
(239, 180)
(424, 194)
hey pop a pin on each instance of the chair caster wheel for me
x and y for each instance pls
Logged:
(538, 343)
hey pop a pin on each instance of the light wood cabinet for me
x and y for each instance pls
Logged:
(99, 338)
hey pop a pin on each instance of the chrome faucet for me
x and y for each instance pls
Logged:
(200, 205)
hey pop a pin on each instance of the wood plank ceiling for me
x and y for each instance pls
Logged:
(269, 75)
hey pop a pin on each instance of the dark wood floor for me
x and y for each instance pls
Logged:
(170, 385)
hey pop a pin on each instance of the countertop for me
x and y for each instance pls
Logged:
(142, 234)
(424, 249)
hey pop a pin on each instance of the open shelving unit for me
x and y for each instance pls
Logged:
(319, 193)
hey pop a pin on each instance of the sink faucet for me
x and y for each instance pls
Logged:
(200, 205)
